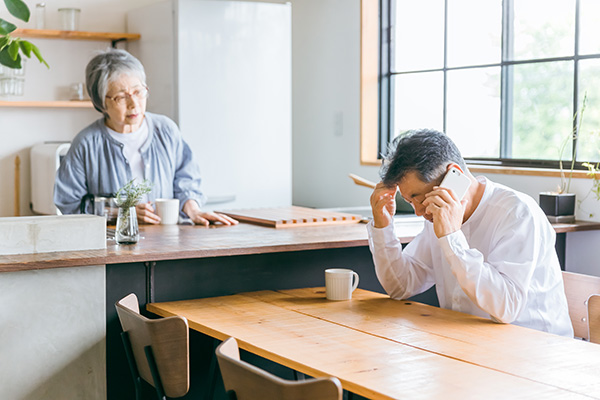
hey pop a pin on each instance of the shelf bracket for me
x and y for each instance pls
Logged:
(115, 41)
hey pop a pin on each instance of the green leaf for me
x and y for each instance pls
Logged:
(18, 9)
(131, 194)
(6, 60)
(38, 54)
(4, 40)
(6, 27)
(13, 50)
(26, 47)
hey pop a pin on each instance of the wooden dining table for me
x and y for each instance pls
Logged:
(382, 348)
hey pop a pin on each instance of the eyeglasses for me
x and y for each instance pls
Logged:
(121, 98)
(421, 198)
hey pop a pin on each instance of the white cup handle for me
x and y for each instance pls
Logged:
(355, 281)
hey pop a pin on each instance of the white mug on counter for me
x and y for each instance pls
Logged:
(338, 283)
(167, 210)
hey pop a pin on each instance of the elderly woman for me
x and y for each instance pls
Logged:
(127, 143)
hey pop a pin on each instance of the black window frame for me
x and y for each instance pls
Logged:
(386, 90)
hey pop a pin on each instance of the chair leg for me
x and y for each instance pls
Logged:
(137, 380)
(155, 375)
(213, 372)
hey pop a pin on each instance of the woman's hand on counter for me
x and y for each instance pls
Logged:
(200, 217)
(146, 215)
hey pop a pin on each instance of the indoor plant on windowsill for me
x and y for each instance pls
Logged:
(559, 206)
(127, 231)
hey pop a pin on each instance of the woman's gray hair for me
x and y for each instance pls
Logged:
(105, 67)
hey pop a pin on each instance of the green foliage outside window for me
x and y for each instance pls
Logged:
(546, 66)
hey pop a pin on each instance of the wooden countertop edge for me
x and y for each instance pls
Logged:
(29, 262)
(564, 228)
(113, 255)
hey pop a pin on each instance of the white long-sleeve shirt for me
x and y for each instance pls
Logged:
(501, 264)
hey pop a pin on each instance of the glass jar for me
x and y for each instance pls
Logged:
(127, 231)
(18, 86)
(40, 16)
(69, 18)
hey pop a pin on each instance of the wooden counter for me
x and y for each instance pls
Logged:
(576, 226)
(160, 243)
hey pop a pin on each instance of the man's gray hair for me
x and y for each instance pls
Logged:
(107, 66)
(424, 151)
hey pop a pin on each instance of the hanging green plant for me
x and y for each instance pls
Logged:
(11, 48)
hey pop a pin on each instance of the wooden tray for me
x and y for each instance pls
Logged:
(288, 217)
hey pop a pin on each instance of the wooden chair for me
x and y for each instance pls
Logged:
(579, 288)
(244, 381)
(594, 318)
(157, 350)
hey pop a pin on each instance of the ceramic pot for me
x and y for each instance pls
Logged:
(555, 204)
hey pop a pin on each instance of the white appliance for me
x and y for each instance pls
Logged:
(222, 70)
(45, 160)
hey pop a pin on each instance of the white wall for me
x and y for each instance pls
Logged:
(325, 104)
(54, 346)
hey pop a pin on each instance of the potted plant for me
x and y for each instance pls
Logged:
(559, 205)
(127, 197)
(594, 173)
(11, 48)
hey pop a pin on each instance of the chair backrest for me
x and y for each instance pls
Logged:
(594, 318)
(252, 383)
(169, 340)
(579, 288)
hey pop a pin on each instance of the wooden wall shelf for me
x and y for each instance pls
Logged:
(74, 35)
(114, 37)
(47, 104)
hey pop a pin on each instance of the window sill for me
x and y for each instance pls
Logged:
(525, 171)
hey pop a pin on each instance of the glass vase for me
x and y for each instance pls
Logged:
(127, 231)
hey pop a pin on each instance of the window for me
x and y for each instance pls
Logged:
(504, 79)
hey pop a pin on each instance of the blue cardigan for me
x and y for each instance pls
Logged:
(95, 164)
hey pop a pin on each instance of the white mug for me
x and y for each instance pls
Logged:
(167, 210)
(338, 283)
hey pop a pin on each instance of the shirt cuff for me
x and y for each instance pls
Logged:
(382, 235)
(453, 244)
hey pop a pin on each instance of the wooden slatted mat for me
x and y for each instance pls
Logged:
(288, 217)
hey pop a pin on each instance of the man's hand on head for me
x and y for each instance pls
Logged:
(383, 205)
